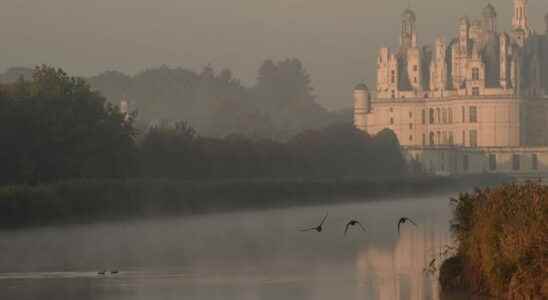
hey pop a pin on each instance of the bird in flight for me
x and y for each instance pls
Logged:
(318, 228)
(103, 272)
(352, 223)
(404, 220)
(113, 272)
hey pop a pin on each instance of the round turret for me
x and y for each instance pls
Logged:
(362, 106)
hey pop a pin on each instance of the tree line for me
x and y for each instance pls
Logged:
(279, 105)
(56, 127)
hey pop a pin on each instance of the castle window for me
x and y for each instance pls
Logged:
(415, 68)
(431, 117)
(444, 116)
(450, 116)
(475, 74)
(414, 79)
(391, 121)
(475, 91)
(393, 94)
(473, 138)
(463, 138)
(423, 117)
(410, 125)
(423, 139)
(410, 138)
(445, 140)
(392, 76)
(515, 162)
(473, 111)
(438, 115)
(492, 162)
(534, 161)
(438, 137)
(463, 116)
(451, 139)
(432, 142)
(410, 115)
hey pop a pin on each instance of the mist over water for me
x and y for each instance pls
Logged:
(248, 255)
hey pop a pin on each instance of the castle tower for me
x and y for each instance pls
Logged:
(362, 106)
(476, 31)
(489, 19)
(504, 45)
(546, 22)
(463, 33)
(520, 22)
(408, 37)
(438, 69)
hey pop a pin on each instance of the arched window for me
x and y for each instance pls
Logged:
(431, 117)
(432, 142)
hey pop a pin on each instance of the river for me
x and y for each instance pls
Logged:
(241, 255)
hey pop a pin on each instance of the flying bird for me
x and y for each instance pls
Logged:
(404, 220)
(318, 228)
(353, 223)
(113, 272)
(103, 272)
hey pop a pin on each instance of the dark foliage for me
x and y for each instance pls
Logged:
(338, 150)
(54, 127)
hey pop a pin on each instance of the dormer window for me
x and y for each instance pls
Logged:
(475, 74)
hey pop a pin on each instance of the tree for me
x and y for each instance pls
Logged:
(59, 128)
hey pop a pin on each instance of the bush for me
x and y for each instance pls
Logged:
(503, 239)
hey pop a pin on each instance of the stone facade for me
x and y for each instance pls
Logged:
(480, 91)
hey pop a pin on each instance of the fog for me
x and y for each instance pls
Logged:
(242, 255)
(337, 41)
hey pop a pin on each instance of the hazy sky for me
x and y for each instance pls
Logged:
(336, 40)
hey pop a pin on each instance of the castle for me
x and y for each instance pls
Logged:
(475, 103)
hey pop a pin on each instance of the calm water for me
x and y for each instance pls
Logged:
(249, 255)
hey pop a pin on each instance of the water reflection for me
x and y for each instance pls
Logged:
(404, 270)
(249, 256)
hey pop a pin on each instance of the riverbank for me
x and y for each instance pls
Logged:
(502, 236)
(85, 201)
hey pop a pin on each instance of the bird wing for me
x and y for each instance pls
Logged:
(361, 226)
(407, 219)
(324, 218)
(399, 223)
(346, 228)
(308, 229)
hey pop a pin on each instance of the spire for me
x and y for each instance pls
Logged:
(520, 19)
(520, 22)
(408, 38)
(489, 18)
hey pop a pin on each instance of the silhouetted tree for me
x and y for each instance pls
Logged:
(55, 127)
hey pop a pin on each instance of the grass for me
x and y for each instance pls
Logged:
(502, 236)
(84, 201)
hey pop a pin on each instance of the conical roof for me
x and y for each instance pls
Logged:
(489, 11)
(361, 87)
(409, 15)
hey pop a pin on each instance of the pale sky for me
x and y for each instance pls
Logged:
(336, 40)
